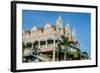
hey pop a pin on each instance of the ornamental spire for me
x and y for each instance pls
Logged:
(67, 28)
(74, 34)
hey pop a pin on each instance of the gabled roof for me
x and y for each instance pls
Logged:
(47, 25)
(33, 28)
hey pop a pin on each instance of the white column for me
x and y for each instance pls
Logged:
(39, 44)
(54, 51)
(32, 45)
(57, 55)
(46, 43)
(54, 43)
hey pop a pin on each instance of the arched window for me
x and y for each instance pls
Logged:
(42, 43)
(35, 44)
(56, 41)
(50, 41)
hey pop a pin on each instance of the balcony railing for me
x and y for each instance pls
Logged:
(48, 46)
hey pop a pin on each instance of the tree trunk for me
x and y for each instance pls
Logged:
(65, 53)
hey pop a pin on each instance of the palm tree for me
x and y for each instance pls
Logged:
(59, 52)
(64, 41)
(79, 54)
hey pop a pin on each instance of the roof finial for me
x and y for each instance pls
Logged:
(67, 28)
(74, 32)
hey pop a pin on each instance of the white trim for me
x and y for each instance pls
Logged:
(21, 65)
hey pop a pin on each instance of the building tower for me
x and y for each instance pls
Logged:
(59, 25)
(67, 30)
(73, 36)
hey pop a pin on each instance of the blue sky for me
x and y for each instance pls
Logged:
(80, 21)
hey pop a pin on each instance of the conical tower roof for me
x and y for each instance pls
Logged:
(59, 21)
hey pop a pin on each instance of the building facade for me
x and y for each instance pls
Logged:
(47, 36)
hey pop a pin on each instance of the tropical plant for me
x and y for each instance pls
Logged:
(23, 46)
(35, 48)
(64, 41)
(27, 54)
(28, 45)
(59, 52)
(76, 54)
(69, 44)
(84, 55)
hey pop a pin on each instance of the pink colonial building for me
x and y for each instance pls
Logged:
(48, 35)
